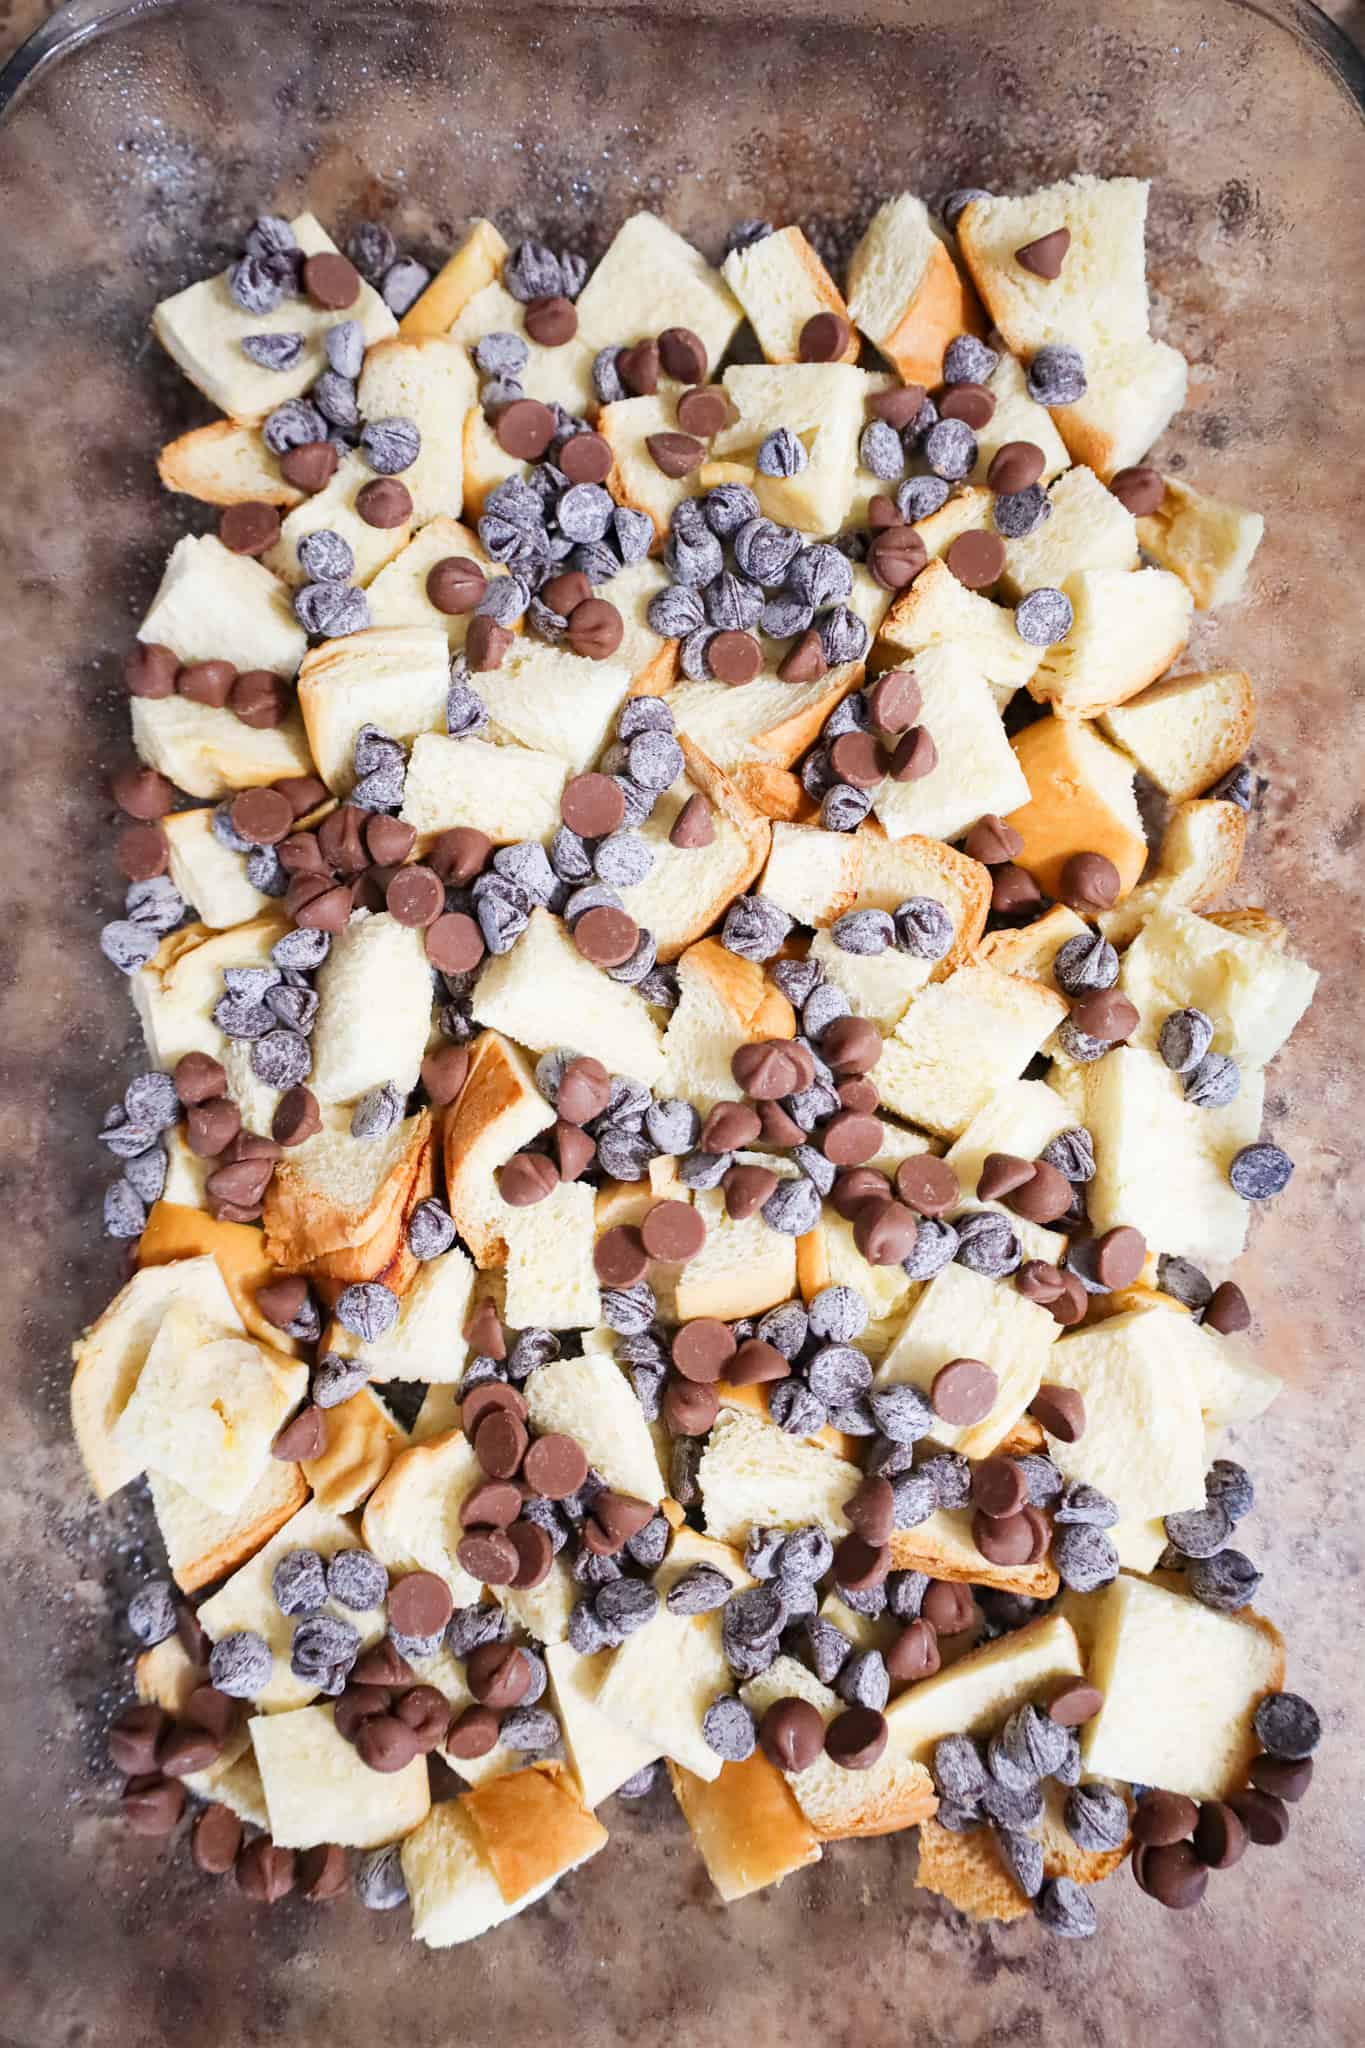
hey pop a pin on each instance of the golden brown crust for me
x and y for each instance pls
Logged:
(966, 1870)
(761, 1010)
(362, 1441)
(304, 1227)
(774, 792)
(225, 463)
(1026, 1436)
(238, 1249)
(474, 264)
(790, 737)
(532, 1826)
(967, 884)
(747, 1826)
(494, 1087)
(1252, 923)
(915, 1550)
(942, 306)
(256, 1522)
(1063, 816)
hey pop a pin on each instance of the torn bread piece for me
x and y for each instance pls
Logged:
(1229, 1385)
(812, 874)
(398, 594)
(906, 293)
(1021, 1119)
(959, 1040)
(478, 1860)
(1200, 854)
(602, 1755)
(975, 771)
(430, 382)
(174, 1233)
(828, 1257)
(334, 509)
(554, 701)
(1031, 949)
(1134, 389)
(335, 1192)
(893, 870)
(498, 1111)
(393, 677)
(725, 1002)
(649, 279)
(744, 1267)
(627, 425)
(781, 284)
(203, 329)
(1127, 629)
(208, 752)
(210, 876)
(944, 1547)
(822, 404)
(1207, 542)
(1080, 800)
(427, 1342)
(1017, 417)
(374, 1010)
(746, 1824)
(412, 1519)
(318, 1788)
(937, 608)
(978, 1692)
(225, 464)
(361, 1439)
(545, 986)
(958, 1314)
(509, 793)
(1087, 528)
(202, 1544)
(212, 605)
(1254, 993)
(842, 1804)
(554, 376)
(1187, 732)
(476, 261)
(1100, 294)
(687, 889)
(752, 1473)
(174, 995)
(878, 985)
(551, 1283)
(591, 1400)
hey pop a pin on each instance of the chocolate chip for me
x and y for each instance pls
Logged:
(1140, 489)
(857, 1739)
(1063, 1906)
(330, 281)
(1044, 617)
(1084, 1556)
(240, 1664)
(1046, 254)
(1259, 1172)
(1056, 375)
(1287, 1726)
(823, 338)
(1282, 1779)
(792, 1734)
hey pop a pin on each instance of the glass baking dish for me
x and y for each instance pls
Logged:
(136, 142)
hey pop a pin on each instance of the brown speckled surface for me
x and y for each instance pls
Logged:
(133, 168)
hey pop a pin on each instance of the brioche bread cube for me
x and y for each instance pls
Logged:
(499, 1110)
(554, 701)
(725, 1002)
(1031, 949)
(550, 1279)
(175, 993)
(427, 1342)
(110, 1356)
(246, 1601)
(181, 1235)
(774, 792)
(1134, 391)
(961, 1315)
(1208, 543)
(476, 261)
(212, 605)
(361, 1439)
(225, 464)
(968, 510)
(975, 771)
(687, 890)
(744, 1267)
(206, 1407)
(208, 752)
(545, 985)
(636, 478)
(374, 1010)
(1017, 417)
(533, 1828)
(335, 1192)
(1021, 1118)
(1089, 528)
(555, 376)
(210, 876)
(812, 874)
(822, 404)
(451, 1887)
(753, 1472)
(591, 1399)
(387, 676)
(1186, 733)
(317, 1788)
(1200, 854)
(1254, 993)
(412, 1519)
(1080, 801)
(781, 284)
(906, 293)
(746, 1824)
(486, 462)
(840, 1804)
(543, 1611)
(912, 865)
(878, 985)
(1181, 1684)
(202, 328)
(398, 594)
(958, 1041)
(333, 510)
(828, 1257)
(204, 1543)
(431, 382)
(1127, 629)
(510, 793)
(969, 1872)
(936, 609)
(944, 1547)
(1230, 1386)
(979, 1692)
(1143, 1441)
(649, 279)
(601, 1753)
(1101, 294)
(1161, 1165)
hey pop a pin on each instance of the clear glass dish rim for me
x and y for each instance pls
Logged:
(78, 22)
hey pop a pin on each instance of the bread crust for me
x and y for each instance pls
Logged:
(200, 465)
(774, 792)
(174, 1232)
(262, 1514)
(746, 1824)
(474, 264)
(532, 1826)
(942, 306)
(303, 1225)
(362, 1441)
(966, 1870)
(494, 1087)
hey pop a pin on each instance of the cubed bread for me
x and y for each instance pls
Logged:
(1020, 1118)
(742, 1269)
(1230, 1386)
(839, 1804)
(969, 509)
(206, 750)
(554, 701)
(1253, 992)
(725, 1002)
(914, 865)
(968, 1870)
(752, 1472)
(1031, 949)
(1017, 417)
(450, 1883)
(318, 1789)
(1134, 389)
(486, 462)
(1200, 854)
(361, 1439)
(206, 1407)
(398, 594)
(1208, 543)
(945, 1547)
(175, 993)
(602, 1755)
(533, 1828)
(181, 1234)
(937, 608)
(499, 1110)
(746, 1824)
(652, 660)
(812, 874)
(781, 284)
(1089, 528)
(203, 329)
(1080, 800)
(1161, 1164)
(510, 793)
(210, 876)
(545, 986)
(247, 1601)
(649, 279)
(212, 605)
(335, 1191)
(431, 382)
(905, 292)
(1127, 629)
(961, 1315)
(959, 1041)
(110, 1356)
(636, 478)
(1181, 1685)
(394, 677)
(555, 376)
(774, 792)
(333, 510)
(828, 1257)
(979, 1692)
(412, 1519)
(204, 1543)
(975, 771)
(590, 1399)
(878, 985)
(225, 464)
(687, 889)
(427, 1342)
(476, 261)
(822, 405)
(1100, 295)
(374, 1010)
(550, 1279)
(1186, 733)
